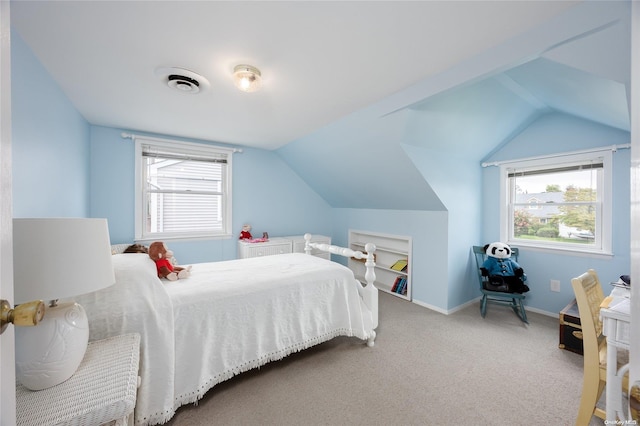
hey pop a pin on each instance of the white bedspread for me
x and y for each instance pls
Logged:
(228, 317)
(138, 303)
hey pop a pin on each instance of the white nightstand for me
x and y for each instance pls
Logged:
(102, 390)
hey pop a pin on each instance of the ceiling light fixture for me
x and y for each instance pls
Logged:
(247, 78)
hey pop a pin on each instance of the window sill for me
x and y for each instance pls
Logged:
(571, 251)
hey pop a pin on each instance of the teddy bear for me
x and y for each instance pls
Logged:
(162, 256)
(245, 234)
(504, 273)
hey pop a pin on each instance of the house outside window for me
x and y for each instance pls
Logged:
(183, 190)
(562, 202)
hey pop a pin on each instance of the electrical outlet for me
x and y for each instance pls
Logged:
(555, 285)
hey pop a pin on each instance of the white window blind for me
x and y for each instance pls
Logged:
(183, 190)
(562, 202)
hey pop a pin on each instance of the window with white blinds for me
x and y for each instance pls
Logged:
(562, 202)
(183, 190)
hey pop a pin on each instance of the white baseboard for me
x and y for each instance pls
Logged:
(540, 311)
(445, 311)
(477, 300)
(428, 306)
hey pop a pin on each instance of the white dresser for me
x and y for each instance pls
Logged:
(267, 248)
(280, 245)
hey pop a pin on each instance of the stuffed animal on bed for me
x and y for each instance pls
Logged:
(136, 248)
(504, 273)
(162, 256)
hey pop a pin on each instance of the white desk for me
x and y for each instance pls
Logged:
(616, 322)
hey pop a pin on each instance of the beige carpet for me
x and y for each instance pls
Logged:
(425, 369)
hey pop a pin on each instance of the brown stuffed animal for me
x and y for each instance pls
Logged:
(159, 253)
(136, 248)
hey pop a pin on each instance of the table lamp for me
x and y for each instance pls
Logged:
(57, 258)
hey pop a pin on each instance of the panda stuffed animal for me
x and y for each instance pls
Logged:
(504, 273)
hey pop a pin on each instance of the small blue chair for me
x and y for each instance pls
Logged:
(514, 300)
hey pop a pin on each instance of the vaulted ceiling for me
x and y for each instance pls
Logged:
(320, 60)
(348, 86)
(401, 150)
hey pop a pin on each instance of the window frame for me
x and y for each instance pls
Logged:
(604, 226)
(182, 148)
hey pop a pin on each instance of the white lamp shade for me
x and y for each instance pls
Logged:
(58, 258)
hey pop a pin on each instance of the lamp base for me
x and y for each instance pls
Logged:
(48, 354)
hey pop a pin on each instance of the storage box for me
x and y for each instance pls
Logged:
(571, 329)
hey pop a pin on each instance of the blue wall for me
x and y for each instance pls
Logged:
(50, 149)
(553, 133)
(373, 171)
(266, 194)
(456, 180)
(65, 167)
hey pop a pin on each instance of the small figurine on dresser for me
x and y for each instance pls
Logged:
(245, 234)
(162, 256)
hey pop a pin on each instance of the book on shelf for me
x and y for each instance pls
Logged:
(403, 286)
(400, 285)
(400, 265)
(394, 288)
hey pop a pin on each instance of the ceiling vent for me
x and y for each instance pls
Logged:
(182, 80)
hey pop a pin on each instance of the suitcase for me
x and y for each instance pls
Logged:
(570, 329)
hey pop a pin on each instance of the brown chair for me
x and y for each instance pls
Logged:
(589, 296)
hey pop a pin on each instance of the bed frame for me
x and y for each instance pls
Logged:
(368, 292)
(169, 380)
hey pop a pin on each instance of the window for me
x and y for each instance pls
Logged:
(562, 202)
(182, 189)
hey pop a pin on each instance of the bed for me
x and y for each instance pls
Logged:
(228, 317)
